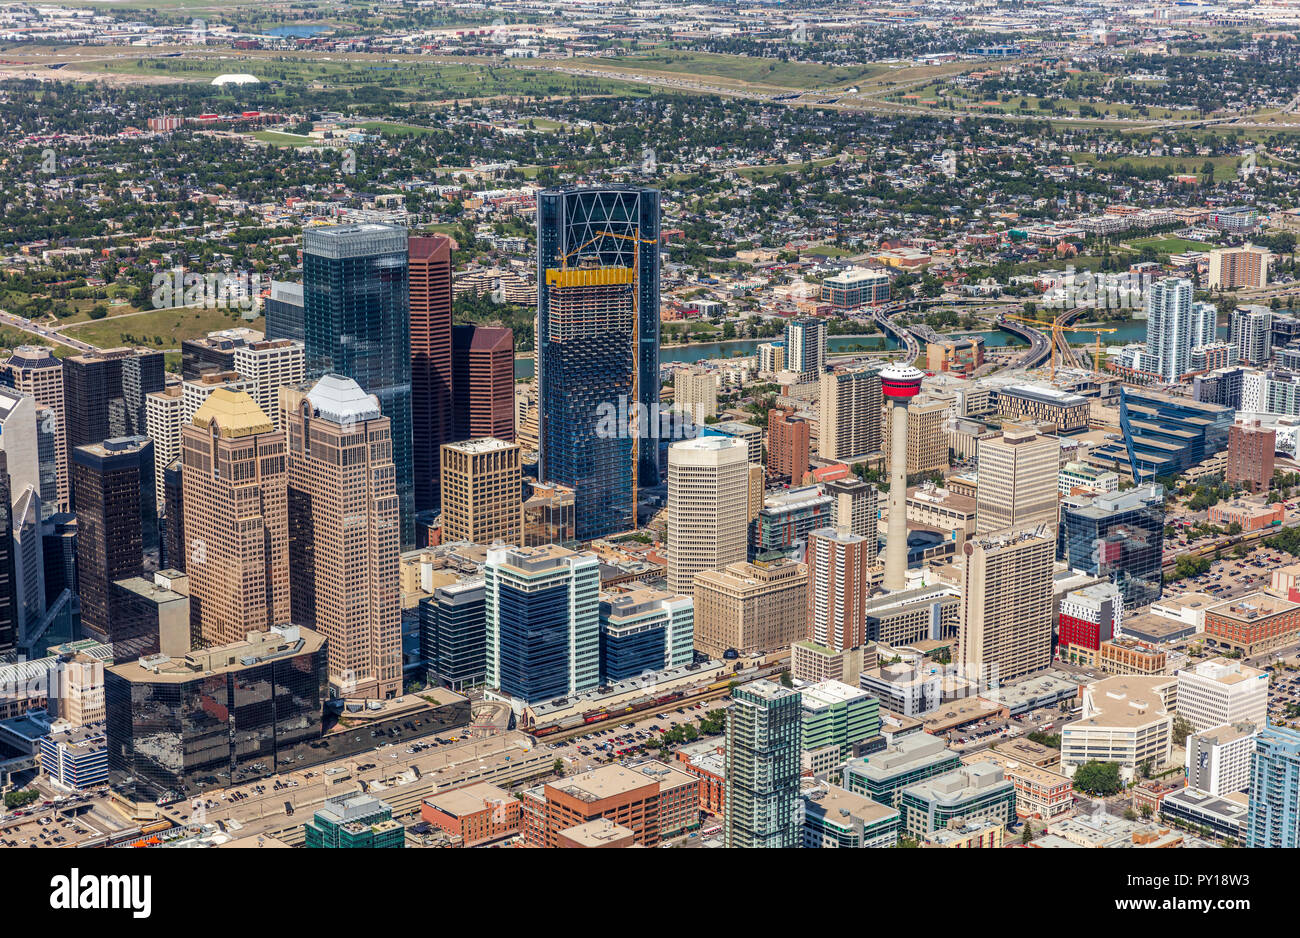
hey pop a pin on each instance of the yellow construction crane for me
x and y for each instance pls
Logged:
(1096, 349)
(1058, 331)
(636, 339)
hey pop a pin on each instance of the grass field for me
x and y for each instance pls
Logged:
(286, 140)
(164, 328)
(1169, 245)
(748, 69)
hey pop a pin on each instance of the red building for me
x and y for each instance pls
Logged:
(483, 382)
(1089, 616)
(429, 285)
(787, 445)
(1250, 454)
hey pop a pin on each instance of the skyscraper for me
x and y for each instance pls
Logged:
(1274, 815)
(1175, 326)
(356, 323)
(1018, 480)
(1250, 454)
(432, 371)
(104, 393)
(543, 622)
(19, 440)
(838, 587)
(34, 370)
(283, 308)
(851, 416)
(483, 387)
(9, 613)
(597, 328)
(708, 507)
(236, 519)
(117, 524)
(343, 533)
(764, 731)
(481, 489)
(1251, 333)
(855, 510)
(805, 348)
(269, 366)
(1119, 536)
(1006, 606)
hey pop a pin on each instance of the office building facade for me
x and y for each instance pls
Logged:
(481, 489)
(708, 508)
(433, 421)
(1120, 536)
(764, 730)
(483, 385)
(1017, 484)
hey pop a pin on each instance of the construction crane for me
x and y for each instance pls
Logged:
(1096, 349)
(636, 340)
(1058, 336)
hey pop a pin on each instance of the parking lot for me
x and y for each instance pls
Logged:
(628, 740)
(54, 823)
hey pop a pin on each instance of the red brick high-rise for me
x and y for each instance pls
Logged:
(1250, 454)
(432, 422)
(787, 445)
(483, 382)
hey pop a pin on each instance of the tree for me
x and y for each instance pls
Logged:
(1027, 834)
(1098, 778)
(558, 766)
(1182, 728)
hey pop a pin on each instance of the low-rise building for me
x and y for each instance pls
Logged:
(835, 817)
(1225, 816)
(964, 833)
(475, 814)
(882, 775)
(969, 792)
(1126, 720)
(1218, 759)
(1252, 624)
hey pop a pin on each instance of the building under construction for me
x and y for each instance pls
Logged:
(598, 352)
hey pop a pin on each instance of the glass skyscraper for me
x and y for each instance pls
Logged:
(1274, 817)
(597, 322)
(1165, 435)
(543, 622)
(764, 736)
(453, 634)
(1119, 535)
(356, 323)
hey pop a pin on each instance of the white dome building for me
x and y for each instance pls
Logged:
(239, 78)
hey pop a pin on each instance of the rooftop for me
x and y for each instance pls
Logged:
(235, 414)
(341, 400)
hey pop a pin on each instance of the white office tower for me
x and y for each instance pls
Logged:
(708, 507)
(898, 384)
(1222, 691)
(270, 365)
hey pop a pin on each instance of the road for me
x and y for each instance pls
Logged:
(52, 335)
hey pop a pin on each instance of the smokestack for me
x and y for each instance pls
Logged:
(899, 384)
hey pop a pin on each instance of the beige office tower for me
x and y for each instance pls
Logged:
(34, 370)
(751, 607)
(850, 413)
(708, 507)
(270, 365)
(233, 480)
(927, 444)
(481, 488)
(344, 533)
(695, 392)
(1005, 628)
(838, 586)
(757, 481)
(1018, 482)
(164, 416)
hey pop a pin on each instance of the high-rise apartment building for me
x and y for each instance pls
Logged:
(851, 415)
(34, 370)
(805, 348)
(356, 323)
(1018, 480)
(481, 489)
(1006, 606)
(856, 509)
(269, 366)
(1250, 454)
(1175, 326)
(927, 443)
(483, 385)
(837, 718)
(1251, 333)
(764, 735)
(838, 586)
(234, 478)
(343, 533)
(1234, 268)
(1089, 616)
(787, 445)
(695, 393)
(117, 525)
(1274, 815)
(597, 328)
(542, 607)
(433, 421)
(708, 507)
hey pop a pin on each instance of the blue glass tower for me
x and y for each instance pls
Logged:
(356, 323)
(1119, 535)
(1274, 817)
(1165, 435)
(597, 322)
(541, 606)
